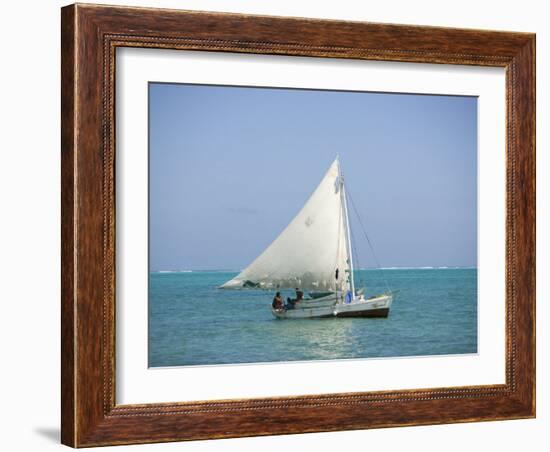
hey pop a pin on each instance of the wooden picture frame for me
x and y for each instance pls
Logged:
(90, 36)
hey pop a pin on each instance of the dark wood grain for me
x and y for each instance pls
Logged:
(68, 310)
(90, 36)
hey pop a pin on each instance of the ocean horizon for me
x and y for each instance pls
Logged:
(229, 270)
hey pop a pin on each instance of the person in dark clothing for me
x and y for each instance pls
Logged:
(278, 303)
(291, 302)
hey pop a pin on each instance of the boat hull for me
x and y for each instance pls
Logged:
(376, 307)
(382, 313)
(373, 307)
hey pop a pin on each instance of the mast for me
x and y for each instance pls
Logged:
(347, 235)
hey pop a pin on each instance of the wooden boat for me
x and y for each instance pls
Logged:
(332, 306)
(314, 253)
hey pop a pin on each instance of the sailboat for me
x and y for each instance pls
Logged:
(314, 254)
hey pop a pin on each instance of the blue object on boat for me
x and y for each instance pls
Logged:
(348, 297)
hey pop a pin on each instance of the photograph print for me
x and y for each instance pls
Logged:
(301, 224)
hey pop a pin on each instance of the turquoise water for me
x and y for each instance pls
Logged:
(191, 322)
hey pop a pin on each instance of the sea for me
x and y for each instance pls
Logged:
(193, 323)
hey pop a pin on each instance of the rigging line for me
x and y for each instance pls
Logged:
(356, 256)
(368, 240)
(355, 253)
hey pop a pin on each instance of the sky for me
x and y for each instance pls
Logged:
(229, 167)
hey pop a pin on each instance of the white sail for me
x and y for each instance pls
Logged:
(310, 249)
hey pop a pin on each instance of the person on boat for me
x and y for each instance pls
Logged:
(278, 303)
(291, 302)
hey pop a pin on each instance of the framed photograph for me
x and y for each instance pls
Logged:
(281, 225)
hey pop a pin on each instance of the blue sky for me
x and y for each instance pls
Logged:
(231, 166)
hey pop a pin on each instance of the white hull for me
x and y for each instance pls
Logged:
(332, 306)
